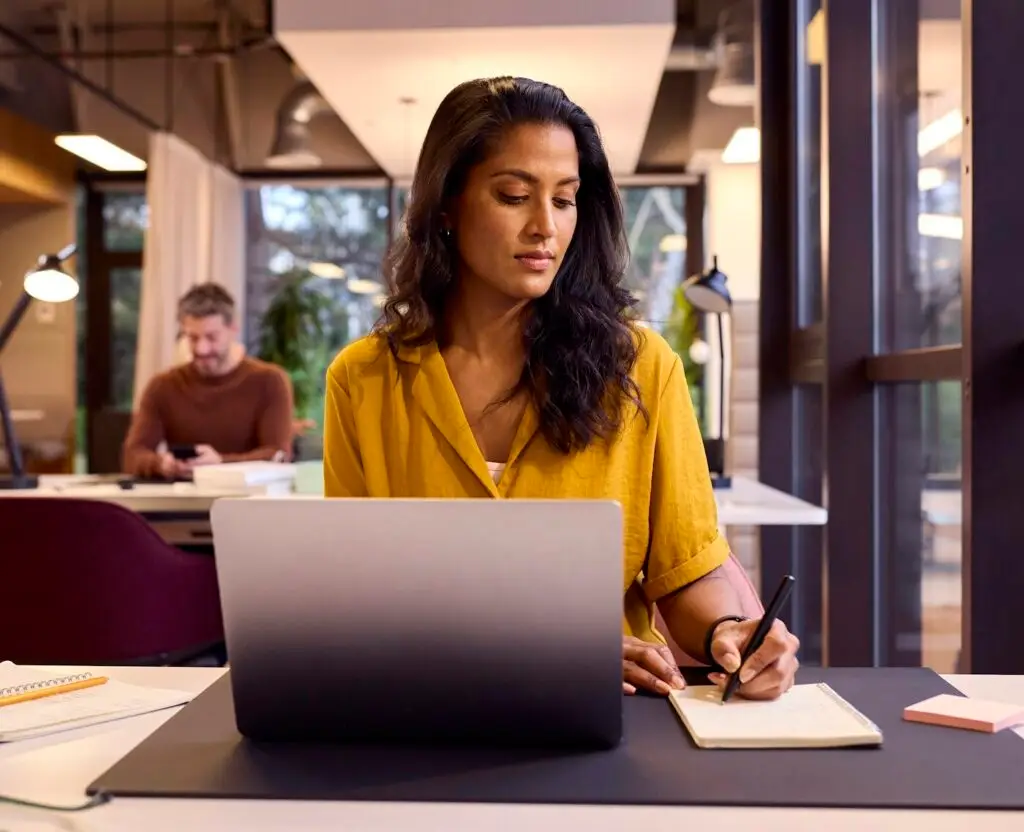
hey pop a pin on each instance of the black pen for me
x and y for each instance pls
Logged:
(763, 626)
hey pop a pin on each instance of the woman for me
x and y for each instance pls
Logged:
(506, 365)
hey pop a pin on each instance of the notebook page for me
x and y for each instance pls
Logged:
(112, 700)
(808, 715)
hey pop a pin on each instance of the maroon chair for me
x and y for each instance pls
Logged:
(90, 582)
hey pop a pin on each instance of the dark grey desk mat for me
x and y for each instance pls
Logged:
(198, 753)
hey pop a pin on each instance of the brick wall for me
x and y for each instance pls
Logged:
(741, 448)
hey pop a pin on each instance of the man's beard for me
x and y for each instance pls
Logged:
(211, 365)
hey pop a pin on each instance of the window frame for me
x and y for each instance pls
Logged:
(846, 354)
(98, 337)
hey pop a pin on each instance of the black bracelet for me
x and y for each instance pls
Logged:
(715, 666)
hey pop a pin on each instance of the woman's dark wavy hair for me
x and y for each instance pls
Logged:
(580, 345)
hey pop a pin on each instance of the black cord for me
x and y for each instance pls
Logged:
(97, 799)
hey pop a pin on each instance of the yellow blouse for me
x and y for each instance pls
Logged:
(394, 427)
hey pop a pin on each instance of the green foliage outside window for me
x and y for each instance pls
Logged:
(292, 335)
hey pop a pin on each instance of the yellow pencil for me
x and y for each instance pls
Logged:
(39, 694)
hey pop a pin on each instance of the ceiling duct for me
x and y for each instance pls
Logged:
(293, 140)
(689, 54)
(734, 84)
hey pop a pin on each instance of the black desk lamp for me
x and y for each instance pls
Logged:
(49, 283)
(708, 293)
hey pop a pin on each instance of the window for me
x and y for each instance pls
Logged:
(873, 422)
(924, 191)
(920, 306)
(656, 229)
(125, 218)
(112, 224)
(125, 297)
(810, 173)
(314, 277)
(922, 534)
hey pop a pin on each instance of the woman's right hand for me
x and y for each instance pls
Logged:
(649, 666)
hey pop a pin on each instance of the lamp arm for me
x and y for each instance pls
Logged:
(14, 459)
(721, 379)
(14, 318)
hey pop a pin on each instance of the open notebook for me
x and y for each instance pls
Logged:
(808, 716)
(102, 703)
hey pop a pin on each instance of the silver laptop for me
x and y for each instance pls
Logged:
(483, 622)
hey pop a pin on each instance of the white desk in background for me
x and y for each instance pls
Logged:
(57, 769)
(149, 498)
(751, 503)
(746, 503)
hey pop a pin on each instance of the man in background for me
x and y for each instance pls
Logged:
(222, 406)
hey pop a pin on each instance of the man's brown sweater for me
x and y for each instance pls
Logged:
(245, 414)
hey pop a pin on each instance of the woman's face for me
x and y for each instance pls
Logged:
(515, 218)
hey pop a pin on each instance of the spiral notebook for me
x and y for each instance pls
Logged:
(807, 716)
(76, 709)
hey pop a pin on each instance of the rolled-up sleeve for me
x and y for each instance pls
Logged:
(685, 542)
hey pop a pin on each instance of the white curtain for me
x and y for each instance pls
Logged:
(196, 234)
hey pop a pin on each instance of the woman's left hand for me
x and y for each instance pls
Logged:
(769, 672)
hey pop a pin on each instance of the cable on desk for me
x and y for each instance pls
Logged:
(97, 799)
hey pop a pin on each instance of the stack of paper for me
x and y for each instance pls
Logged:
(272, 478)
(64, 711)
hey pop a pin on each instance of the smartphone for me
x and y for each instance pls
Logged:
(183, 452)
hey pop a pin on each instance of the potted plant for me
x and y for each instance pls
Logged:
(681, 330)
(293, 335)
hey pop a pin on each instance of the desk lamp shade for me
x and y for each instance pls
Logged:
(49, 282)
(708, 292)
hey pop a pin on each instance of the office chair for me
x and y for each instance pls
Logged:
(90, 582)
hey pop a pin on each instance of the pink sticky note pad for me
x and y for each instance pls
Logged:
(961, 712)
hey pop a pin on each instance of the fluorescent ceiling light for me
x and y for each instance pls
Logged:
(100, 152)
(330, 271)
(744, 147)
(939, 132)
(361, 286)
(945, 226)
(928, 179)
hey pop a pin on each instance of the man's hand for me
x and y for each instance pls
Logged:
(205, 455)
(171, 468)
(769, 672)
(649, 666)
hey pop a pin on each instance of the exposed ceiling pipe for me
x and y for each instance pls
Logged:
(734, 84)
(292, 145)
(227, 81)
(70, 33)
(688, 55)
(133, 113)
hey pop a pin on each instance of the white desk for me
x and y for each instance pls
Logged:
(172, 498)
(58, 769)
(746, 503)
(752, 503)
